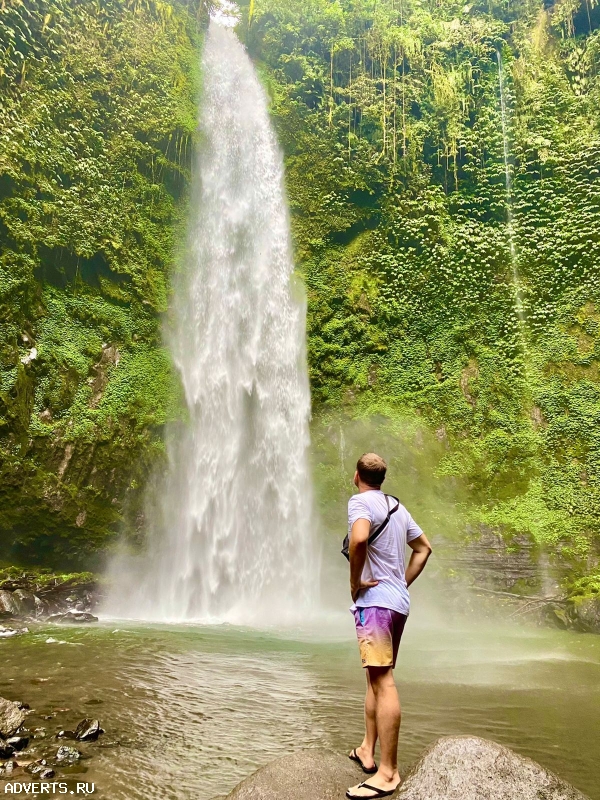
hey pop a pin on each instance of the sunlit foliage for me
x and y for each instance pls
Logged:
(390, 116)
(97, 115)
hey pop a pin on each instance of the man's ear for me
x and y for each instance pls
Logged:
(356, 479)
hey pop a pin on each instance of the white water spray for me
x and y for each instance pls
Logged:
(233, 535)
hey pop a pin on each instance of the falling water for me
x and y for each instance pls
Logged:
(516, 279)
(233, 534)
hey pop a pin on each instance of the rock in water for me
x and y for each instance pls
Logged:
(6, 749)
(306, 775)
(40, 769)
(65, 756)
(470, 768)
(88, 730)
(11, 717)
(9, 605)
(26, 600)
(18, 742)
(72, 616)
(587, 615)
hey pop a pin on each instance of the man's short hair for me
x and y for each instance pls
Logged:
(371, 469)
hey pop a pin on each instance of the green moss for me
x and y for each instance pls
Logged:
(97, 116)
(390, 118)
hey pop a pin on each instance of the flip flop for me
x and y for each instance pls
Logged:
(354, 757)
(378, 792)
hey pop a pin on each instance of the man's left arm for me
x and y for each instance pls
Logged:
(358, 555)
(421, 550)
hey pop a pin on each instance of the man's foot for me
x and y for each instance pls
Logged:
(377, 786)
(365, 759)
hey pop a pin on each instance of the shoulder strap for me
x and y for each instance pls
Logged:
(383, 525)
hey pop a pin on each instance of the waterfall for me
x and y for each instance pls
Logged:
(232, 535)
(516, 278)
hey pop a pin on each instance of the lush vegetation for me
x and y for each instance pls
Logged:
(97, 114)
(451, 252)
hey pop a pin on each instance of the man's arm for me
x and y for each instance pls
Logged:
(421, 550)
(358, 555)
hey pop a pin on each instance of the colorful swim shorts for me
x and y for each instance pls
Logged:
(379, 631)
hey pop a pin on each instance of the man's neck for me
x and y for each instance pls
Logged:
(364, 487)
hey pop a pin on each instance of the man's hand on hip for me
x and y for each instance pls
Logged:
(358, 555)
(363, 585)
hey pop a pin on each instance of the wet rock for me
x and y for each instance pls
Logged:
(66, 735)
(307, 775)
(66, 756)
(8, 633)
(6, 749)
(9, 605)
(499, 562)
(41, 607)
(470, 768)
(11, 717)
(25, 599)
(586, 615)
(18, 742)
(73, 616)
(88, 730)
(8, 767)
(23, 706)
(40, 769)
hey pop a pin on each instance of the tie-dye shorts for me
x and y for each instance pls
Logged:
(379, 631)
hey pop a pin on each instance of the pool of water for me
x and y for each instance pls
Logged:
(191, 710)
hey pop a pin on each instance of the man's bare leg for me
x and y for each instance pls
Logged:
(387, 719)
(366, 751)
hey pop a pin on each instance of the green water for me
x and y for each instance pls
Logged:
(190, 710)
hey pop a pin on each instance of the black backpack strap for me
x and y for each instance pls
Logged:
(383, 525)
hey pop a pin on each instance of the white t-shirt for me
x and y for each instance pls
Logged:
(386, 561)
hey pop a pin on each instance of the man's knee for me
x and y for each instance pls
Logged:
(380, 678)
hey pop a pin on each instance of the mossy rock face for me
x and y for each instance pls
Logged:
(423, 301)
(433, 288)
(585, 615)
(99, 116)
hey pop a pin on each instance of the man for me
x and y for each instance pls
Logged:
(378, 583)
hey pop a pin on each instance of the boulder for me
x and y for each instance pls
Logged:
(11, 717)
(470, 768)
(306, 775)
(18, 742)
(40, 769)
(586, 615)
(25, 599)
(9, 605)
(6, 749)
(72, 616)
(88, 730)
(66, 756)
